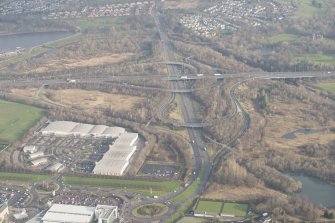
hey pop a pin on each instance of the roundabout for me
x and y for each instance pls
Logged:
(150, 210)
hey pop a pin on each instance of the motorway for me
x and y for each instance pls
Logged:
(202, 163)
(200, 156)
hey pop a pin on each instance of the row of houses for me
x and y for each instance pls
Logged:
(109, 10)
(231, 15)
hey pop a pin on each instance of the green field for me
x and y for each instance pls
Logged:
(316, 58)
(209, 206)
(16, 119)
(23, 178)
(307, 9)
(239, 210)
(285, 37)
(192, 220)
(187, 193)
(330, 87)
(139, 186)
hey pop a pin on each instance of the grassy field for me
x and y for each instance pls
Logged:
(285, 37)
(307, 9)
(23, 177)
(16, 119)
(138, 186)
(316, 58)
(192, 220)
(61, 42)
(330, 87)
(209, 206)
(90, 23)
(236, 209)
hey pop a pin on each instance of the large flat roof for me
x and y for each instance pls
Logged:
(127, 139)
(69, 214)
(74, 128)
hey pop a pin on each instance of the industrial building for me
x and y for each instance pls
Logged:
(36, 155)
(21, 216)
(61, 213)
(66, 128)
(127, 139)
(116, 159)
(106, 214)
(40, 161)
(30, 149)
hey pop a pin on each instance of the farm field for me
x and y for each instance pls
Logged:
(16, 119)
(138, 186)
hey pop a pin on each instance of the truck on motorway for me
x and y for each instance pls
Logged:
(183, 77)
(217, 74)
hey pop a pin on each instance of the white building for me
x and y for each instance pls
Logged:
(40, 161)
(59, 128)
(61, 213)
(127, 139)
(65, 128)
(116, 159)
(82, 129)
(4, 212)
(21, 216)
(106, 214)
(113, 132)
(36, 155)
(29, 149)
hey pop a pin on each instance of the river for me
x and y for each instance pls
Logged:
(27, 40)
(316, 191)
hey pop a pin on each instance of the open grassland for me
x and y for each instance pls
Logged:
(23, 177)
(316, 58)
(93, 100)
(139, 186)
(306, 8)
(209, 206)
(66, 62)
(239, 210)
(16, 119)
(95, 23)
(285, 37)
(330, 87)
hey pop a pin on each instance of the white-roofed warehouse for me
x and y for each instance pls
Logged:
(127, 139)
(65, 128)
(82, 129)
(59, 128)
(61, 213)
(116, 159)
